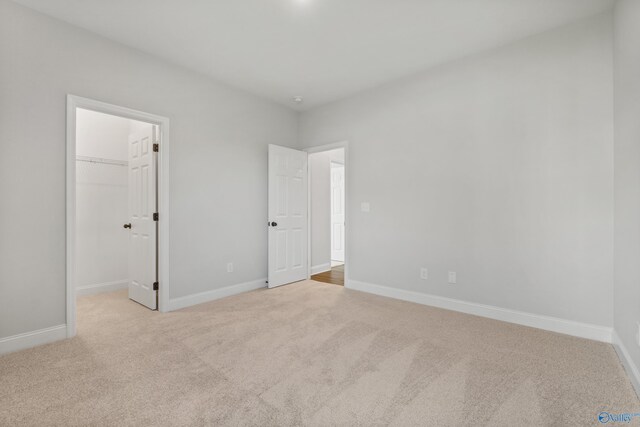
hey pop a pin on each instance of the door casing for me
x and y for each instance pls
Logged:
(74, 102)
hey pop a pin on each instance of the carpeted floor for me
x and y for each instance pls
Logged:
(308, 354)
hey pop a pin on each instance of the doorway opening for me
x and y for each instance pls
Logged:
(327, 213)
(300, 214)
(117, 192)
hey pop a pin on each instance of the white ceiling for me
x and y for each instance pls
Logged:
(322, 50)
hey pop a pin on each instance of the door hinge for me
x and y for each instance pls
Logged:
(155, 286)
(155, 216)
(156, 147)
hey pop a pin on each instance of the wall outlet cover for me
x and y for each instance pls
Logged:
(452, 277)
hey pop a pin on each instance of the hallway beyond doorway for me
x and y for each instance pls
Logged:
(334, 276)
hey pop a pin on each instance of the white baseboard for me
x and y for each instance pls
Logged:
(99, 288)
(202, 297)
(554, 324)
(627, 362)
(320, 268)
(32, 339)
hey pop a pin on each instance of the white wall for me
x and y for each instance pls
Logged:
(627, 174)
(218, 169)
(320, 187)
(101, 241)
(498, 166)
(102, 261)
(102, 135)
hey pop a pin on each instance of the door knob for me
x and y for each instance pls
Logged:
(127, 226)
(274, 224)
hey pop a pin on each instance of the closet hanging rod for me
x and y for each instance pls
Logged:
(102, 160)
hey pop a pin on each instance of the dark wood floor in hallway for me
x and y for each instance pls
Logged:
(334, 276)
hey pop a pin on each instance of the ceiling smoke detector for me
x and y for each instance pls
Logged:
(298, 99)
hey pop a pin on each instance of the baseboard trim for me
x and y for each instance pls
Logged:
(32, 339)
(548, 323)
(627, 362)
(202, 297)
(320, 268)
(99, 288)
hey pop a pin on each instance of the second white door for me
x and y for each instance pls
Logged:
(142, 225)
(287, 220)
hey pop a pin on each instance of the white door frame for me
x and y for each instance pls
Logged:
(320, 149)
(74, 102)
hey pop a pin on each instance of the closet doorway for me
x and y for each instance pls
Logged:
(115, 195)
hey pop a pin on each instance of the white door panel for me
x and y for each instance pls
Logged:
(142, 206)
(287, 215)
(337, 212)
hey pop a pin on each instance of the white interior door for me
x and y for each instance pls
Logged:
(337, 212)
(142, 206)
(287, 215)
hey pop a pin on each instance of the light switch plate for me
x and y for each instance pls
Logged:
(365, 207)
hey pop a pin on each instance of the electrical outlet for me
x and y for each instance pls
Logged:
(452, 277)
(229, 267)
(424, 273)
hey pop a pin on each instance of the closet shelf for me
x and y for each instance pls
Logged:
(101, 160)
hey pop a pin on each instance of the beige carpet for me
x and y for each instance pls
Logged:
(308, 354)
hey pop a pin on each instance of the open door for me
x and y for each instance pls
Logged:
(287, 220)
(142, 217)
